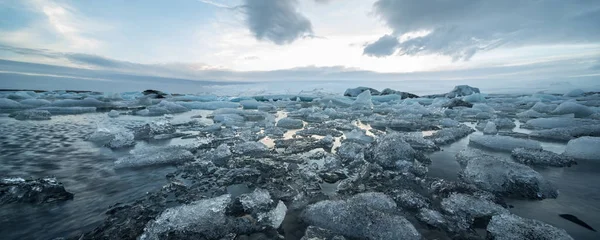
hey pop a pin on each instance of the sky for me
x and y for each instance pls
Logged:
(304, 40)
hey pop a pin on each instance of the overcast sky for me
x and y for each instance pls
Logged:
(239, 40)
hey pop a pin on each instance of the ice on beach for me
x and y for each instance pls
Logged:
(541, 107)
(490, 128)
(502, 176)
(363, 101)
(574, 93)
(112, 138)
(155, 156)
(87, 102)
(205, 216)
(35, 102)
(584, 148)
(503, 143)
(359, 136)
(7, 104)
(212, 105)
(569, 107)
(558, 122)
(509, 226)
(474, 98)
(470, 207)
(541, 158)
(531, 114)
(450, 135)
(32, 114)
(162, 108)
(68, 110)
(113, 113)
(567, 133)
(195, 98)
(447, 122)
(290, 123)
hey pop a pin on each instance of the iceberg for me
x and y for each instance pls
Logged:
(363, 101)
(212, 105)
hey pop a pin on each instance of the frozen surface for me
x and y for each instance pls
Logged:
(503, 143)
(584, 148)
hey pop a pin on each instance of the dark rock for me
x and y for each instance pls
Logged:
(43, 190)
(155, 93)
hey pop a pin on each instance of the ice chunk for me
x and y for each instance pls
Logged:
(450, 135)
(575, 93)
(249, 148)
(530, 114)
(162, 108)
(150, 130)
(483, 107)
(366, 215)
(558, 122)
(490, 128)
(32, 114)
(419, 143)
(195, 98)
(68, 110)
(212, 105)
(359, 136)
(250, 104)
(584, 148)
(503, 143)
(113, 113)
(204, 216)
(461, 91)
(43, 190)
(509, 227)
(447, 122)
(456, 102)
(112, 138)
(474, 98)
(290, 123)
(7, 104)
(392, 148)
(155, 156)
(575, 108)
(502, 176)
(363, 101)
(354, 92)
(87, 102)
(568, 133)
(541, 158)
(229, 119)
(35, 102)
(470, 207)
(543, 108)
(20, 95)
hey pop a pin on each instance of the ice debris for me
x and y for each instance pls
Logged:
(154, 156)
(502, 143)
(43, 190)
(541, 158)
(569, 107)
(503, 176)
(509, 226)
(365, 215)
(584, 148)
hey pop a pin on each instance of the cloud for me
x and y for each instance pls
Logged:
(462, 28)
(384, 46)
(276, 20)
(214, 3)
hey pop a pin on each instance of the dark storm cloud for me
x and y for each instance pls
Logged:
(461, 28)
(384, 46)
(276, 20)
